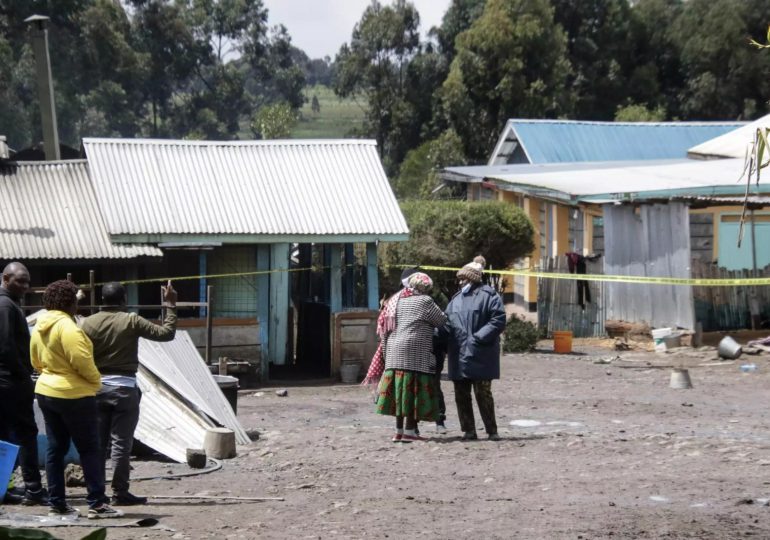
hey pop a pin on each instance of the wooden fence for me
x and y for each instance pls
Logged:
(729, 308)
(557, 301)
(716, 308)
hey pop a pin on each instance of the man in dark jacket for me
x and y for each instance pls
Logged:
(476, 320)
(17, 417)
(115, 334)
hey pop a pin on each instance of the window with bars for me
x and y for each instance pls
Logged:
(234, 297)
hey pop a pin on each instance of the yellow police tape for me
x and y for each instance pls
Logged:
(646, 280)
(649, 280)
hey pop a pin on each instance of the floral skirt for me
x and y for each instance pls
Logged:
(409, 394)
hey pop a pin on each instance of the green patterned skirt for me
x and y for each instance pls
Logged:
(409, 394)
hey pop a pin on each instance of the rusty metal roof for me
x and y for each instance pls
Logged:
(48, 210)
(288, 187)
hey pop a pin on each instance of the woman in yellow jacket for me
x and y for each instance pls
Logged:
(65, 391)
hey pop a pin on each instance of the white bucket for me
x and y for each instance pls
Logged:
(680, 379)
(657, 337)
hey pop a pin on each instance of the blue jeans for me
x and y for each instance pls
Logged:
(118, 408)
(72, 420)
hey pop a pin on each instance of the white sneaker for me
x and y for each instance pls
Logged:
(441, 429)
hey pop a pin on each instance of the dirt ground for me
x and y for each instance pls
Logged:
(600, 447)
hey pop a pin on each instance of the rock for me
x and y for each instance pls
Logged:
(282, 392)
(73, 476)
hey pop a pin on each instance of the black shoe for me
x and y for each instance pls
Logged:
(35, 498)
(127, 499)
(470, 436)
(12, 498)
(63, 511)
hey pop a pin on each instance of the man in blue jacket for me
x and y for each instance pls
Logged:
(476, 320)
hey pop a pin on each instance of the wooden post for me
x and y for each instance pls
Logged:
(132, 289)
(372, 277)
(350, 279)
(92, 287)
(202, 282)
(263, 309)
(279, 302)
(209, 303)
(335, 287)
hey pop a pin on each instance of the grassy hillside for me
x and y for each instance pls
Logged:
(335, 120)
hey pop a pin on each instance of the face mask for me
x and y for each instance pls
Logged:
(466, 288)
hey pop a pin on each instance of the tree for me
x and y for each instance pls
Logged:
(639, 113)
(451, 233)
(418, 174)
(510, 62)
(375, 63)
(274, 121)
(172, 54)
(656, 78)
(724, 77)
(459, 16)
(599, 52)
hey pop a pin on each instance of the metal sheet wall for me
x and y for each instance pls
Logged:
(653, 242)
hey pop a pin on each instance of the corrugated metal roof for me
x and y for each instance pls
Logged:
(732, 144)
(674, 177)
(255, 187)
(181, 367)
(48, 210)
(166, 423)
(566, 141)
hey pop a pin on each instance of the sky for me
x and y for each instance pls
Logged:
(320, 27)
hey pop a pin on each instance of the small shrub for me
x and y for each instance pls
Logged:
(519, 336)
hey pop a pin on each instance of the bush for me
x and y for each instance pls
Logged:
(519, 336)
(451, 233)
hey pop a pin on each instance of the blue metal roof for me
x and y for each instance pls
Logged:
(565, 141)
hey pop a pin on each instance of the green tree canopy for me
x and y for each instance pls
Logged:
(451, 233)
(511, 62)
(375, 64)
(418, 174)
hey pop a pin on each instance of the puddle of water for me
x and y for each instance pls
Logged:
(525, 423)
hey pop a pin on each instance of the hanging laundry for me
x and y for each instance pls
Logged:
(577, 265)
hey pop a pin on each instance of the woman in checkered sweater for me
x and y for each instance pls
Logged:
(407, 388)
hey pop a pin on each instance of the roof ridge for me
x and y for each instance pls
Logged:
(270, 142)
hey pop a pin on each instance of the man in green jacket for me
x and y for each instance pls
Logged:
(115, 334)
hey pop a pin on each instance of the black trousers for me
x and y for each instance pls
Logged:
(118, 415)
(484, 400)
(441, 403)
(72, 420)
(17, 426)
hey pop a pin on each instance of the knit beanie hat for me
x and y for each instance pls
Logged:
(473, 270)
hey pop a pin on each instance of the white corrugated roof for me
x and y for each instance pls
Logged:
(179, 365)
(166, 423)
(48, 210)
(732, 144)
(288, 187)
(586, 179)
